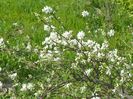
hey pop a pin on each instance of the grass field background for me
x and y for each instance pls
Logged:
(22, 12)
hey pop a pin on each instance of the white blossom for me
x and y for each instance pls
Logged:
(104, 45)
(88, 71)
(0, 69)
(15, 24)
(88, 59)
(85, 13)
(111, 33)
(83, 89)
(47, 10)
(28, 86)
(108, 72)
(132, 88)
(64, 42)
(53, 36)
(73, 42)
(67, 85)
(36, 14)
(96, 98)
(96, 48)
(24, 87)
(100, 55)
(90, 43)
(112, 55)
(52, 27)
(1, 42)
(47, 40)
(1, 85)
(28, 47)
(13, 76)
(46, 28)
(80, 35)
(36, 50)
(38, 93)
(67, 34)
(56, 59)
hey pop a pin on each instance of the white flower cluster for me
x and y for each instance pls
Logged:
(48, 28)
(88, 71)
(0, 69)
(87, 52)
(1, 84)
(54, 39)
(28, 86)
(80, 35)
(85, 13)
(47, 10)
(96, 98)
(13, 76)
(15, 24)
(90, 48)
(68, 85)
(28, 47)
(111, 33)
(67, 34)
(2, 44)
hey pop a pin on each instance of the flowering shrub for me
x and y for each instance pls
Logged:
(66, 65)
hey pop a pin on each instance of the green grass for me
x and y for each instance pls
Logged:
(22, 12)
